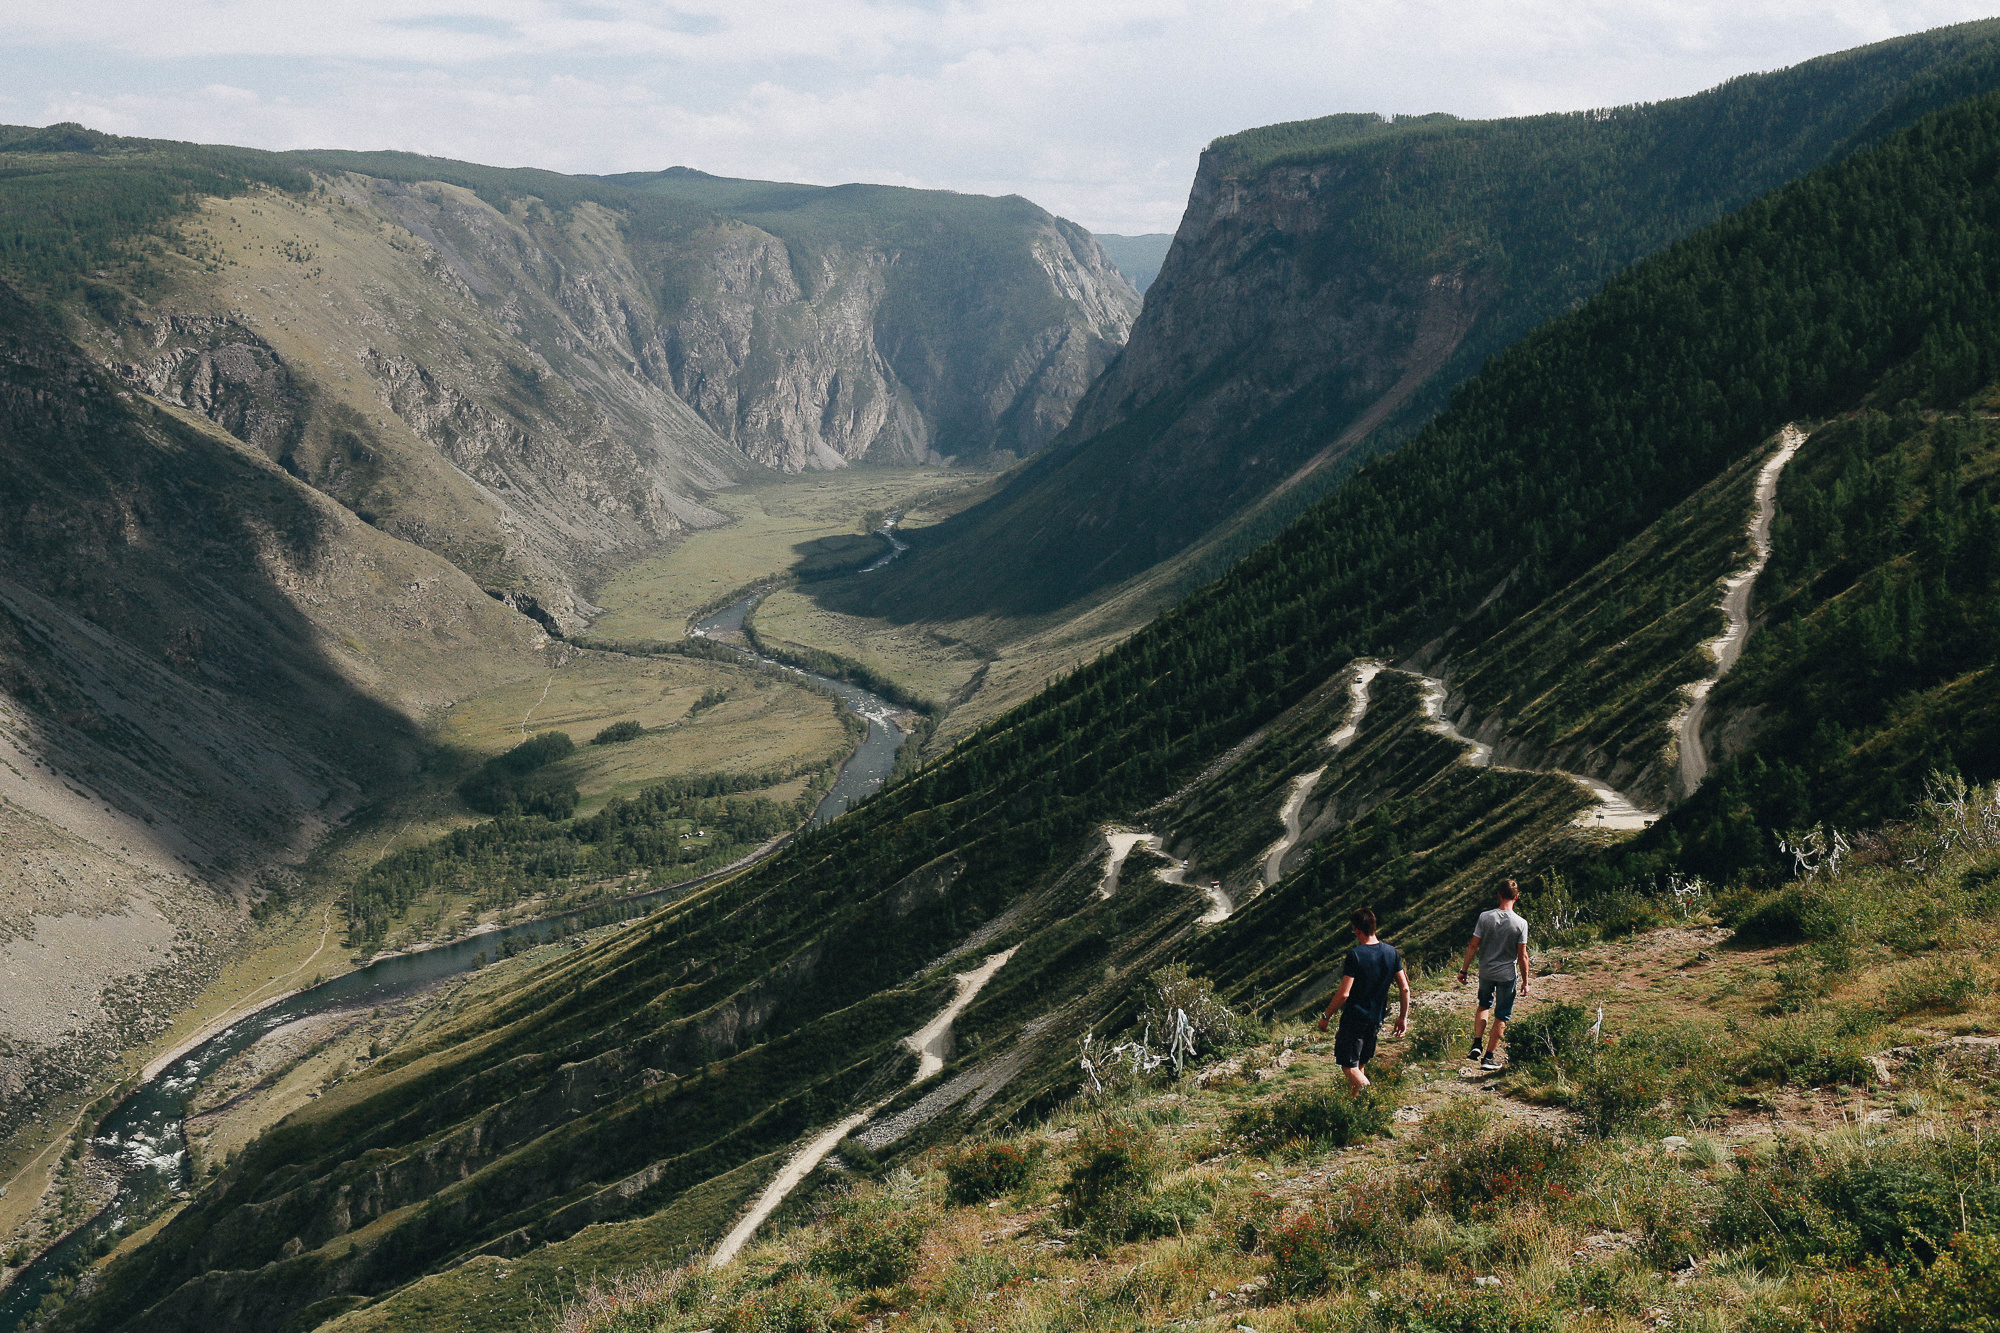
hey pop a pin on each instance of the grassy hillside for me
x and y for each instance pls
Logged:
(608, 1084)
(1335, 281)
(1725, 1153)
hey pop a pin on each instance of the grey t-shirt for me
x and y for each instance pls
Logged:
(1501, 932)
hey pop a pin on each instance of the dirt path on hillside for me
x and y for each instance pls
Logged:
(1612, 808)
(928, 1042)
(1121, 842)
(1736, 607)
(1302, 786)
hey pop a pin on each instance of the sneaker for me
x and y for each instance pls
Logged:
(1492, 1060)
(1474, 1053)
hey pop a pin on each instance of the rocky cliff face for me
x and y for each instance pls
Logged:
(1268, 348)
(466, 379)
(827, 326)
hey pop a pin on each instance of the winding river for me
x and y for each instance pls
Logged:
(873, 759)
(143, 1135)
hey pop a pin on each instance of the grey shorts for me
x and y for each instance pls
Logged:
(1499, 997)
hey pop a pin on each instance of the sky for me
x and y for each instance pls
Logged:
(1095, 109)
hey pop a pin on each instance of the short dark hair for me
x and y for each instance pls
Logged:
(1509, 891)
(1364, 920)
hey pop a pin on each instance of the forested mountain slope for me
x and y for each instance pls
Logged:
(643, 1087)
(1332, 280)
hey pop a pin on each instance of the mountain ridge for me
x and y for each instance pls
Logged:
(1320, 302)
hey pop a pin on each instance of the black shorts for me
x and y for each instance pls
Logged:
(1354, 1044)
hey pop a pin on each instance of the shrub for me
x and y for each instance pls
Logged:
(874, 1247)
(1172, 1211)
(1931, 987)
(1628, 913)
(1302, 1247)
(1435, 1033)
(1472, 1180)
(647, 1299)
(1115, 1174)
(1553, 1038)
(1615, 1094)
(1813, 1050)
(1670, 1213)
(984, 1170)
(795, 1306)
(1612, 1287)
(1324, 1117)
(1793, 915)
(1217, 1027)
(1960, 1293)
(1844, 1202)
(1457, 1120)
(618, 732)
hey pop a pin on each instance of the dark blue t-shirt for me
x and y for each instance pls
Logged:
(1374, 968)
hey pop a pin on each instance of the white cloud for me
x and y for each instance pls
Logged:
(1094, 108)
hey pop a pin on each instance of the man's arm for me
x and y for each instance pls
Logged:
(1339, 998)
(1466, 966)
(1521, 961)
(1403, 989)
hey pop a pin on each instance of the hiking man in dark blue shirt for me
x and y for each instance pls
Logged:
(1363, 999)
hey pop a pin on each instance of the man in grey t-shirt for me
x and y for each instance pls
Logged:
(1501, 942)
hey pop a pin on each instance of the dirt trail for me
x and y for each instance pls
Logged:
(928, 1042)
(1736, 607)
(1610, 808)
(1302, 786)
(1220, 904)
(1288, 815)
(1121, 845)
(1613, 809)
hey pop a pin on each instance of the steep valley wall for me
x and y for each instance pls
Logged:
(320, 462)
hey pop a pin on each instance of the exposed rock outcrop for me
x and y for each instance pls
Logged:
(820, 327)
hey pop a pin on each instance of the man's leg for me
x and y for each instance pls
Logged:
(1353, 1048)
(1503, 1011)
(1483, 1009)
